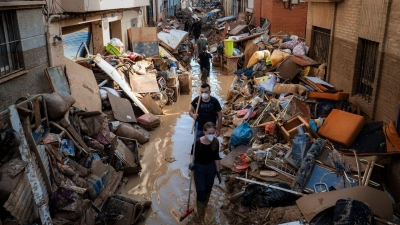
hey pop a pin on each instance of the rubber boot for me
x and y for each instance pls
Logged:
(201, 211)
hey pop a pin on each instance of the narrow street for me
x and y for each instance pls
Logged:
(167, 184)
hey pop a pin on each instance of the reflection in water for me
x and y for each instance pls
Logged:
(167, 184)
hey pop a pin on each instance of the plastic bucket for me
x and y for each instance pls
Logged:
(228, 47)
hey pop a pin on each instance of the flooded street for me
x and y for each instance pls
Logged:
(167, 184)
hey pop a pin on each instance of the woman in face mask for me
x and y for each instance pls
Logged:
(206, 167)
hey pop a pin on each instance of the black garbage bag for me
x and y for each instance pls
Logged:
(349, 211)
(261, 196)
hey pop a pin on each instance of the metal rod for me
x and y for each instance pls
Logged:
(358, 169)
(376, 164)
(369, 173)
(271, 186)
(365, 173)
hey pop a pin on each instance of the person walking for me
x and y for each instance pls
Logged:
(204, 61)
(209, 110)
(187, 26)
(196, 26)
(205, 167)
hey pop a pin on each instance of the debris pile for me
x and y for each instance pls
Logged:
(65, 155)
(293, 141)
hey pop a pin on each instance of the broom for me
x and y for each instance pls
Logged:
(190, 210)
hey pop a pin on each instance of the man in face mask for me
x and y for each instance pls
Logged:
(209, 110)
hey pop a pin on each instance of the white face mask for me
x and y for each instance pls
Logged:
(210, 137)
(205, 95)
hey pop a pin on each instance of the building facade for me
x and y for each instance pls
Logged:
(35, 35)
(94, 23)
(23, 51)
(289, 16)
(359, 41)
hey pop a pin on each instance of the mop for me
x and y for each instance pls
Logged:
(190, 210)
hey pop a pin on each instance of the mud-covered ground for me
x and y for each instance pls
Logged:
(167, 184)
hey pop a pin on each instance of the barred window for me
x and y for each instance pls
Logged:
(321, 39)
(9, 44)
(368, 54)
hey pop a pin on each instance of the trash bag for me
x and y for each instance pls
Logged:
(349, 211)
(301, 143)
(241, 135)
(257, 196)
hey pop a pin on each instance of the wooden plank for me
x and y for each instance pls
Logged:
(83, 86)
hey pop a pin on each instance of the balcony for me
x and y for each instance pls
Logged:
(82, 6)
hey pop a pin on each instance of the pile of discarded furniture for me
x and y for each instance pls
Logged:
(65, 155)
(291, 138)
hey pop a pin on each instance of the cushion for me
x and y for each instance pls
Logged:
(342, 127)
(392, 138)
(338, 96)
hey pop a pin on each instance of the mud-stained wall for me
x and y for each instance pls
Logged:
(33, 50)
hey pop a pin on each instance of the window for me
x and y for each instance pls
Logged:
(367, 54)
(9, 44)
(321, 39)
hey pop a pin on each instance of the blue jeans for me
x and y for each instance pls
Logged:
(204, 179)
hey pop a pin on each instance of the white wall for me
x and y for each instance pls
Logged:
(100, 31)
(250, 4)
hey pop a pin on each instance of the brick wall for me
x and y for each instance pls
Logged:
(285, 20)
(257, 12)
(388, 98)
(346, 30)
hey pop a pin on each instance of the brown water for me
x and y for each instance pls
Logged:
(167, 184)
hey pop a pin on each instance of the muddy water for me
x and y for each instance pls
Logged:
(167, 184)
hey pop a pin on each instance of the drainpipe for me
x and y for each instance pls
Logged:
(48, 39)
